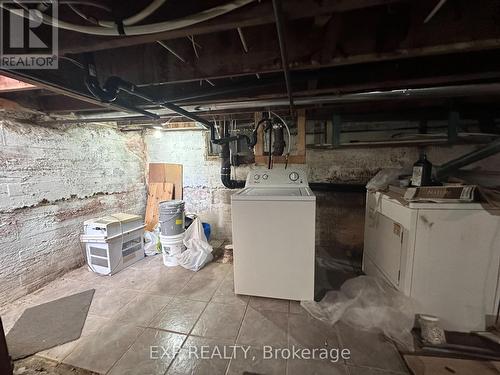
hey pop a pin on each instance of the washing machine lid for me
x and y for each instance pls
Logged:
(274, 193)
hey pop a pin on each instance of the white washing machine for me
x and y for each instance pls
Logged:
(273, 220)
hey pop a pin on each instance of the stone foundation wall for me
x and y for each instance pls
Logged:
(51, 180)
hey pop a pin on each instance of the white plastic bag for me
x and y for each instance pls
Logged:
(384, 178)
(198, 251)
(150, 243)
(371, 304)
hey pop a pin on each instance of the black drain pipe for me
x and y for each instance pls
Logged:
(225, 159)
(112, 87)
(225, 169)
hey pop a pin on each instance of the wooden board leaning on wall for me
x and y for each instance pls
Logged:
(164, 183)
(163, 172)
(157, 192)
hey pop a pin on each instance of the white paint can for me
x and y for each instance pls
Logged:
(172, 246)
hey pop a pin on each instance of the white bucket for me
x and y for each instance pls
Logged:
(172, 246)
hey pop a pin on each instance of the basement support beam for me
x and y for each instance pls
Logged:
(280, 29)
(57, 83)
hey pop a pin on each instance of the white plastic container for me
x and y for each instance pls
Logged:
(113, 242)
(172, 246)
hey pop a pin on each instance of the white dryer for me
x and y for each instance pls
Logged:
(273, 220)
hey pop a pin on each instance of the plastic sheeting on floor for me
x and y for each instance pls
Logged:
(371, 304)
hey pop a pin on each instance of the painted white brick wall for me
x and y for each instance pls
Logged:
(203, 192)
(51, 180)
(206, 196)
(357, 165)
(188, 148)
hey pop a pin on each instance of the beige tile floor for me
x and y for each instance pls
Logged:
(140, 316)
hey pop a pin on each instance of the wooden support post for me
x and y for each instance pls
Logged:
(328, 132)
(298, 158)
(301, 132)
(337, 128)
(453, 120)
(259, 147)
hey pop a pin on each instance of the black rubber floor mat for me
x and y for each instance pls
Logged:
(50, 324)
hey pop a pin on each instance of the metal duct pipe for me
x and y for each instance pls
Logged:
(472, 157)
(428, 92)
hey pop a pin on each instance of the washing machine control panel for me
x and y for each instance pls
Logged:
(277, 176)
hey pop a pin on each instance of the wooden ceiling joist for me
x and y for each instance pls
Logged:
(334, 46)
(255, 14)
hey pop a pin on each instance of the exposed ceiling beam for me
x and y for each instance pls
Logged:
(64, 83)
(421, 72)
(373, 58)
(387, 34)
(256, 14)
(65, 104)
(444, 92)
(226, 65)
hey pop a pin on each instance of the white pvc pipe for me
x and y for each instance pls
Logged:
(434, 11)
(141, 29)
(146, 12)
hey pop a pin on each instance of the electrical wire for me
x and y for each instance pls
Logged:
(90, 19)
(73, 61)
(88, 3)
(136, 30)
(21, 5)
